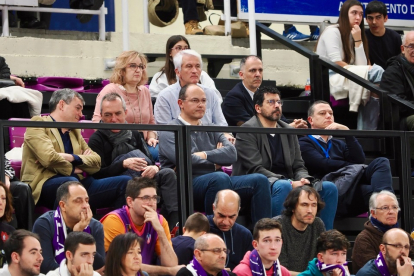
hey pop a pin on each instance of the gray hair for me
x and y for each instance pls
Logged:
(110, 97)
(66, 95)
(178, 59)
(404, 37)
(373, 200)
(243, 60)
(203, 241)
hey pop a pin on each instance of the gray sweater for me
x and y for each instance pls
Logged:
(298, 247)
(200, 141)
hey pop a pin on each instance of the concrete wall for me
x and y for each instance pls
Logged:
(39, 56)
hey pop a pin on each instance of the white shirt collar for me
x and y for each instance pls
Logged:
(318, 137)
(251, 93)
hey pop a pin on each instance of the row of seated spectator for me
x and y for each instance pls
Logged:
(68, 241)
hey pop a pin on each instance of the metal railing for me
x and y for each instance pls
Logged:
(101, 13)
(183, 154)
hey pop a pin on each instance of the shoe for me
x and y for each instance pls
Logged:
(315, 35)
(192, 28)
(33, 24)
(246, 24)
(85, 18)
(294, 35)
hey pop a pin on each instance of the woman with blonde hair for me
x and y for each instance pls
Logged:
(128, 79)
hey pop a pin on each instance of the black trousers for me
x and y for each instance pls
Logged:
(23, 204)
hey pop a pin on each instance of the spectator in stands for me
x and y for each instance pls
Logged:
(238, 105)
(5, 73)
(166, 76)
(22, 198)
(73, 214)
(210, 151)
(124, 256)
(188, 67)
(330, 159)
(278, 156)
(209, 258)
(301, 228)
(195, 226)
(6, 213)
(140, 216)
(383, 43)
(267, 243)
(346, 45)
(23, 254)
(124, 152)
(52, 156)
(128, 79)
(393, 256)
(80, 250)
(399, 79)
(223, 223)
(383, 208)
(294, 35)
(332, 247)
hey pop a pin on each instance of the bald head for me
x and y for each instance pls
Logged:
(226, 208)
(396, 235)
(203, 241)
(228, 197)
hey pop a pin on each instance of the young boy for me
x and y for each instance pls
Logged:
(332, 246)
(267, 243)
(196, 225)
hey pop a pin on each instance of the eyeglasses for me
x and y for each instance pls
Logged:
(135, 66)
(150, 198)
(399, 246)
(388, 208)
(274, 102)
(197, 101)
(217, 251)
(409, 47)
(180, 48)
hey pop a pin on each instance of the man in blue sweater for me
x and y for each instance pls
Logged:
(209, 152)
(323, 155)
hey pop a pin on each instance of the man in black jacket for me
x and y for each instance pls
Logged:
(124, 152)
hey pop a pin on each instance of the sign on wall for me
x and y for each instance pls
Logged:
(400, 12)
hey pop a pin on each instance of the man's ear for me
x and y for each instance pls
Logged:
(197, 254)
(15, 257)
(382, 248)
(68, 255)
(386, 18)
(241, 75)
(177, 72)
(129, 201)
(254, 243)
(310, 120)
(320, 256)
(62, 206)
(180, 103)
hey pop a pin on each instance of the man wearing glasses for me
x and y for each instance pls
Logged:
(140, 216)
(383, 43)
(393, 256)
(384, 210)
(278, 157)
(210, 254)
(398, 78)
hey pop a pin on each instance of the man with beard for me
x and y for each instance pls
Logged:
(23, 254)
(393, 256)
(277, 156)
(301, 228)
(238, 104)
(73, 214)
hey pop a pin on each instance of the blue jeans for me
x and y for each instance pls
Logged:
(329, 194)
(154, 152)
(105, 192)
(253, 188)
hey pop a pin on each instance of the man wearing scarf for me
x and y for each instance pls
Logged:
(398, 78)
(124, 152)
(393, 256)
(209, 259)
(384, 209)
(263, 260)
(331, 246)
(73, 214)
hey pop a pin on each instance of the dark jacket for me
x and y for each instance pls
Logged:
(101, 145)
(4, 69)
(238, 239)
(395, 79)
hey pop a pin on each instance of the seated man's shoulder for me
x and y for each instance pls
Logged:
(46, 218)
(167, 92)
(368, 269)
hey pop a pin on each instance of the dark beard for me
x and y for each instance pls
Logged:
(391, 263)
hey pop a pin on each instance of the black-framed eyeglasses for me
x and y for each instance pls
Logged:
(217, 251)
(388, 208)
(274, 102)
(135, 66)
(409, 47)
(150, 198)
(180, 48)
(399, 246)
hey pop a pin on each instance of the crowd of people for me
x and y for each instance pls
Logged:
(289, 188)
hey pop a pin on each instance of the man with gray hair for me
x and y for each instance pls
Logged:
(53, 156)
(210, 253)
(188, 66)
(383, 208)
